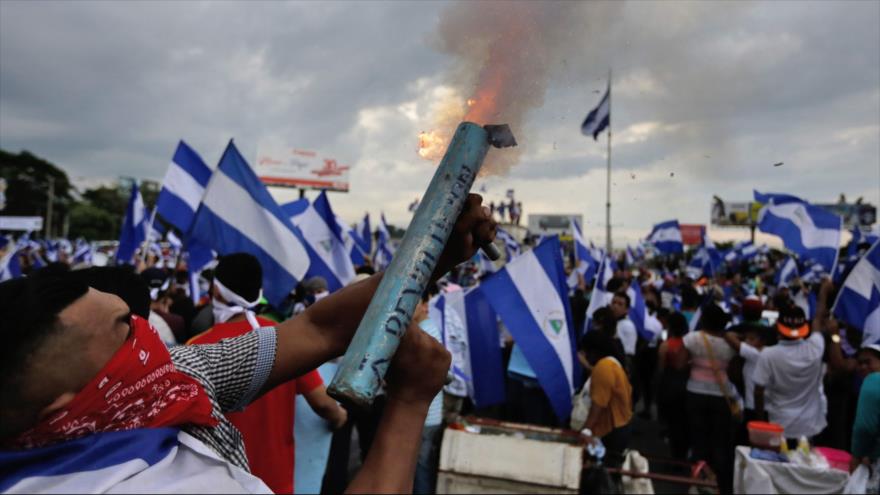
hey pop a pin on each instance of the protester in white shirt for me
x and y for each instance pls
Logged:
(626, 330)
(791, 374)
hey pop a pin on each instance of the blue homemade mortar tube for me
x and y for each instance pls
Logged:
(366, 361)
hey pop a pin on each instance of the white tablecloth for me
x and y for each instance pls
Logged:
(756, 476)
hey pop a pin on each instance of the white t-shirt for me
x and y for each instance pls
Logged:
(751, 356)
(626, 332)
(791, 372)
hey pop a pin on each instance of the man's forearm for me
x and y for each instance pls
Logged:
(321, 333)
(391, 462)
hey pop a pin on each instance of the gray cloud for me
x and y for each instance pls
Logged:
(714, 92)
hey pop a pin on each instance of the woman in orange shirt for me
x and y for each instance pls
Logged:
(610, 393)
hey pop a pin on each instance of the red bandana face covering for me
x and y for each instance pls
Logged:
(138, 388)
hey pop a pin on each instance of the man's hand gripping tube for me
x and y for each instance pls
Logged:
(364, 365)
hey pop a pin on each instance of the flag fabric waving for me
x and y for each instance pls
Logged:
(183, 187)
(470, 333)
(807, 230)
(666, 237)
(238, 214)
(143, 460)
(787, 272)
(384, 248)
(327, 253)
(599, 118)
(365, 235)
(529, 294)
(134, 228)
(858, 302)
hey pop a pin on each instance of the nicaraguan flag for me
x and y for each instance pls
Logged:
(134, 228)
(83, 252)
(352, 246)
(365, 235)
(238, 214)
(666, 238)
(809, 231)
(511, 246)
(601, 295)
(599, 118)
(327, 253)
(470, 333)
(858, 302)
(183, 187)
(529, 294)
(787, 272)
(587, 263)
(10, 265)
(646, 325)
(777, 198)
(384, 248)
(146, 460)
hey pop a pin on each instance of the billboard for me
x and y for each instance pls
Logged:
(299, 167)
(691, 234)
(24, 224)
(745, 213)
(734, 214)
(552, 224)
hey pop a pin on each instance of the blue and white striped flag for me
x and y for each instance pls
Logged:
(470, 333)
(600, 296)
(787, 272)
(134, 228)
(365, 235)
(807, 230)
(646, 325)
(599, 118)
(143, 460)
(10, 265)
(384, 248)
(529, 294)
(238, 214)
(83, 252)
(511, 246)
(858, 302)
(587, 263)
(666, 237)
(352, 245)
(183, 187)
(327, 253)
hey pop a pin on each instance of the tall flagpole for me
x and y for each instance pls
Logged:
(608, 183)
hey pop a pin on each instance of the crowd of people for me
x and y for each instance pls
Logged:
(85, 370)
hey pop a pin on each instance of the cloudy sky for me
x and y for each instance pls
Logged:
(706, 96)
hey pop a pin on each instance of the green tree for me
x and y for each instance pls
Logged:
(28, 178)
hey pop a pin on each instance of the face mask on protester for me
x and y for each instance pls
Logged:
(138, 388)
(223, 312)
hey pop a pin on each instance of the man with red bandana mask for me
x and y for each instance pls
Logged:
(91, 400)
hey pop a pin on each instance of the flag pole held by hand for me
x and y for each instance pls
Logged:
(366, 361)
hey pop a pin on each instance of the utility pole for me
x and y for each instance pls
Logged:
(49, 200)
(608, 184)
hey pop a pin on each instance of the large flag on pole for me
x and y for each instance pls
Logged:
(238, 214)
(666, 237)
(529, 294)
(811, 232)
(598, 118)
(134, 228)
(858, 302)
(183, 187)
